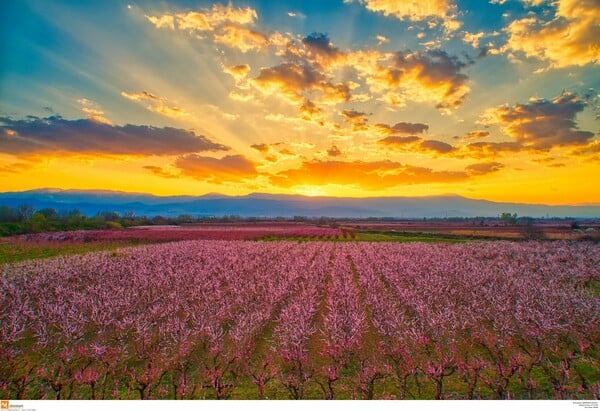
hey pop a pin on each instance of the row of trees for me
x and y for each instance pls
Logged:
(26, 219)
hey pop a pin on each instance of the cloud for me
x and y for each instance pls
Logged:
(15, 168)
(436, 146)
(56, 135)
(415, 10)
(569, 39)
(310, 112)
(159, 171)
(357, 119)
(232, 168)
(397, 141)
(319, 48)
(164, 21)
(482, 149)
(238, 72)
(158, 104)
(263, 148)
(292, 80)
(207, 19)
(477, 134)
(93, 111)
(473, 38)
(296, 14)
(381, 39)
(375, 175)
(432, 75)
(484, 168)
(416, 144)
(403, 128)
(241, 38)
(542, 124)
(333, 151)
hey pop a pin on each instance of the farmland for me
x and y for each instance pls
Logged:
(223, 318)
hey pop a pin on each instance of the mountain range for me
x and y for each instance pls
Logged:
(90, 202)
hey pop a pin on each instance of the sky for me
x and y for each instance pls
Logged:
(494, 100)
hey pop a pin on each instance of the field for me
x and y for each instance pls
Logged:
(223, 318)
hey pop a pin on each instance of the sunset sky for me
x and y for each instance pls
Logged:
(490, 99)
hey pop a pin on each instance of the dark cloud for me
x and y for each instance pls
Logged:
(334, 151)
(56, 135)
(263, 148)
(477, 134)
(542, 124)
(483, 168)
(399, 141)
(318, 44)
(403, 128)
(215, 170)
(437, 146)
(358, 119)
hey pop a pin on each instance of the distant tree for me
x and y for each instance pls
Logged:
(49, 213)
(8, 214)
(509, 218)
(74, 213)
(530, 231)
(25, 211)
(37, 223)
(184, 218)
(109, 215)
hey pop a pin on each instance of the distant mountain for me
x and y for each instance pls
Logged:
(90, 202)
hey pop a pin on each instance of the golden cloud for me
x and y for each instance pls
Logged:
(415, 10)
(375, 175)
(241, 38)
(207, 19)
(571, 38)
(158, 104)
(482, 149)
(238, 72)
(477, 134)
(293, 80)
(431, 76)
(15, 168)
(93, 111)
(232, 168)
(159, 171)
(357, 119)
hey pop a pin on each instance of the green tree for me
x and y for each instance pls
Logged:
(509, 218)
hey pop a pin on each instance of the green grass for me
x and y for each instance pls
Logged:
(15, 252)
